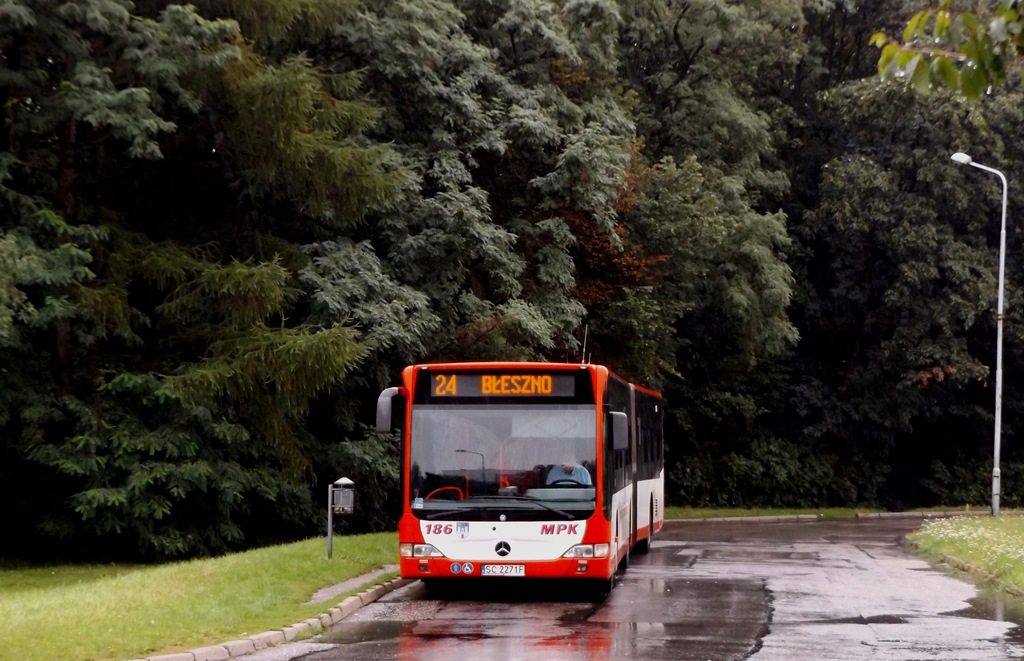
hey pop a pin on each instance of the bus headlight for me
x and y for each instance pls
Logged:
(587, 551)
(419, 551)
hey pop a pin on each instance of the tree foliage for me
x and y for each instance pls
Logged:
(960, 50)
(154, 324)
(899, 264)
(227, 225)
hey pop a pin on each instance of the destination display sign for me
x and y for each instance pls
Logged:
(473, 384)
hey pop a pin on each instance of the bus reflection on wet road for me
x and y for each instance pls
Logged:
(765, 591)
(644, 618)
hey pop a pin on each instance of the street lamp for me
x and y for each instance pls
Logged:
(483, 468)
(964, 159)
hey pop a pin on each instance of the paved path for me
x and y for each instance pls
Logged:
(330, 592)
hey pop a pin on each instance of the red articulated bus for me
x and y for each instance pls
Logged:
(533, 470)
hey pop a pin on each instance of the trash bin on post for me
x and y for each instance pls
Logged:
(341, 499)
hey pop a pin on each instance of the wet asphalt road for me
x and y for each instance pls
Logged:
(814, 591)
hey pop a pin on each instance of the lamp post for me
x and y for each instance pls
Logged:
(483, 468)
(964, 159)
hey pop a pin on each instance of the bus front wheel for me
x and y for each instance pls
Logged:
(438, 588)
(602, 587)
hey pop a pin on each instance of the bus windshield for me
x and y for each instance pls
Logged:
(507, 462)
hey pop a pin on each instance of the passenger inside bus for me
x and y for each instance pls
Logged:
(568, 472)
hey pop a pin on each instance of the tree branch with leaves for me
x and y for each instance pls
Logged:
(962, 51)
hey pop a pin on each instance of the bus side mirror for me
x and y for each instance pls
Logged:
(384, 408)
(619, 430)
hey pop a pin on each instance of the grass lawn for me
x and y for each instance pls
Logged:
(673, 512)
(993, 547)
(101, 612)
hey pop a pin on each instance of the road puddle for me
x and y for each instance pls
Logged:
(992, 604)
(349, 633)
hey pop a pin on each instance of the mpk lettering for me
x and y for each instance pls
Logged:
(552, 529)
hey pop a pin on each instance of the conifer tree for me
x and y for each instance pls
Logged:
(154, 324)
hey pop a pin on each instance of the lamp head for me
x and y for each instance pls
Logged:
(961, 158)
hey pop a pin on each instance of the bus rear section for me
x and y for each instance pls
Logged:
(648, 451)
(504, 472)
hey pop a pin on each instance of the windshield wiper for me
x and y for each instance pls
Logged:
(452, 512)
(468, 510)
(528, 499)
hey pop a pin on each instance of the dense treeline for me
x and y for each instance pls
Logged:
(226, 226)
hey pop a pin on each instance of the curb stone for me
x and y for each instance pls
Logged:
(275, 637)
(213, 653)
(267, 639)
(238, 647)
(350, 605)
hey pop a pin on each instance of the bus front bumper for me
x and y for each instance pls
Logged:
(440, 567)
